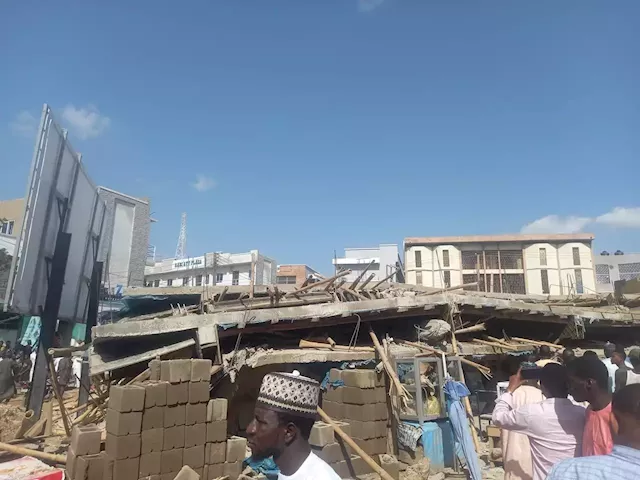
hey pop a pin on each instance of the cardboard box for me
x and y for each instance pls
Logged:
(217, 431)
(390, 465)
(85, 440)
(215, 453)
(89, 467)
(126, 469)
(195, 413)
(200, 370)
(217, 409)
(123, 423)
(198, 392)
(213, 471)
(174, 416)
(173, 438)
(155, 394)
(236, 449)
(187, 473)
(152, 440)
(178, 393)
(153, 418)
(232, 470)
(150, 464)
(171, 460)
(194, 456)
(321, 434)
(126, 398)
(176, 371)
(334, 452)
(121, 447)
(195, 435)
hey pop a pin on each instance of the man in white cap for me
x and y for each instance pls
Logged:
(283, 417)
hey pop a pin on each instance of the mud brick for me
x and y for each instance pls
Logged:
(359, 378)
(123, 423)
(153, 418)
(195, 413)
(380, 411)
(171, 460)
(89, 467)
(321, 434)
(358, 396)
(232, 470)
(217, 431)
(85, 440)
(150, 464)
(126, 398)
(108, 466)
(351, 468)
(187, 473)
(194, 456)
(174, 416)
(335, 410)
(217, 409)
(236, 449)
(213, 471)
(215, 453)
(200, 370)
(381, 428)
(155, 394)
(374, 446)
(152, 440)
(126, 469)
(363, 413)
(334, 452)
(362, 430)
(169, 476)
(175, 371)
(154, 369)
(390, 465)
(410, 457)
(173, 438)
(198, 392)
(333, 395)
(335, 374)
(195, 435)
(121, 447)
(381, 395)
(178, 393)
(71, 462)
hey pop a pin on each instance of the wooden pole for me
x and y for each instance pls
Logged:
(538, 342)
(402, 392)
(320, 283)
(449, 289)
(474, 328)
(354, 284)
(349, 441)
(66, 351)
(49, 457)
(308, 344)
(47, 413)
(484, 370)
(384, 279)
(56, 392)
(27, 422)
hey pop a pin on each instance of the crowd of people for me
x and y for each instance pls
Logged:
(572, 417)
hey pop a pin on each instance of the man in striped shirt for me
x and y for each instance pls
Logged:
(624, 462)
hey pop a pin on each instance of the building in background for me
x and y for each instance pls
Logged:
(613, 267)
(212, 269)
(296, 274)
(125, 234)
(385, 262)
(559, 264)
(11, 216)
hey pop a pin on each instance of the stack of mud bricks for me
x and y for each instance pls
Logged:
(84, 459)
(362, 403)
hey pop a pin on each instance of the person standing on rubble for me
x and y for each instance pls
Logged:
(554, 426)
(7, 376)
(284, 415)
(624, 461)
(589, 382)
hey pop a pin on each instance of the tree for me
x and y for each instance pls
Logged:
(5, 261)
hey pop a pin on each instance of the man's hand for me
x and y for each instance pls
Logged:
(515, 381)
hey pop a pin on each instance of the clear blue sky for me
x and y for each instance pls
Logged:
(318, 125)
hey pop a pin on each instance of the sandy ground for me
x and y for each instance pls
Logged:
(11, 415)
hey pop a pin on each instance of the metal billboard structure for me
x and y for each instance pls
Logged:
(61, 198)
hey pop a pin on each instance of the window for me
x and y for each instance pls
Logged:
(447, 278)
(170, 282)
(219, 277)
(445, 258)
(576, 256)
(579, 285)
(206, 279)
(629, 271)
(471, 260)
(285, 280)
(511, 260)
(544, 276)
(418, 259)
(543, 257)
(7, 227)
(156, 283)
(235, 279)
(602, 274)
(418, 278)
(198, 280)
(185, 281)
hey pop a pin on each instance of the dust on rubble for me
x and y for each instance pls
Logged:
(11, 415)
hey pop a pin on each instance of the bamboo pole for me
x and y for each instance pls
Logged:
(484, 370)
(538, 343)
(384, 279)
(449, 289)
(27, 422)
(37, 429)
(320, 283)
(47, 413)
(349, 441)
(66, 351)
(494, 344)
(141, 377)
(56, 392)
(49, 457)
(80, 418)
(309, 344)
(474, 328)
(395, 381)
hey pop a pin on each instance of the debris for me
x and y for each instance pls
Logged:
(435, 331)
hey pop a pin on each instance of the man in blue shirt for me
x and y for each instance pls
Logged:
(624, 462)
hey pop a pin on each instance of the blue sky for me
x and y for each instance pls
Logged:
(300, 127)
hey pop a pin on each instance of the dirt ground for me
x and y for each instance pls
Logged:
(11, 415)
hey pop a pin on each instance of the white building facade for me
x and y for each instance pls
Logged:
(384, 257)
(558, 264)
(212, 269)
(613, 267)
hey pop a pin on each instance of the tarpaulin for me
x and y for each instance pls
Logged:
(455, 391)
